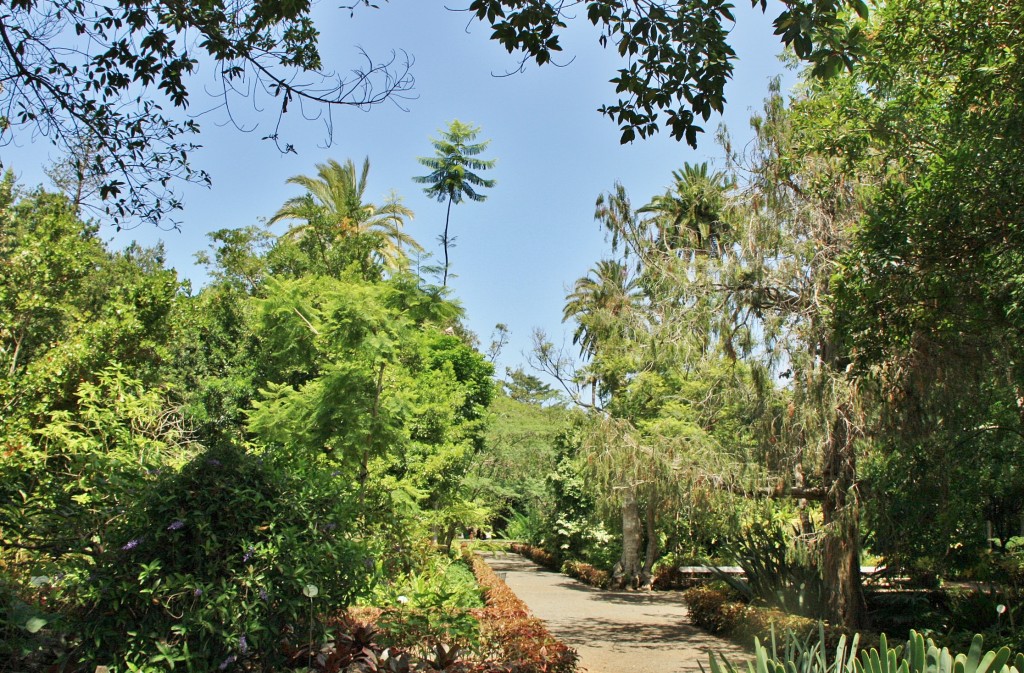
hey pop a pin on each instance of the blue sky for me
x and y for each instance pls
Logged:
(518, 252)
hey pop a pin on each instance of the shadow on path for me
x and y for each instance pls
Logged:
(613, 631)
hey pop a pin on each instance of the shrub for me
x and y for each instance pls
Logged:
(521, 643)
(536, 554)
(717, 612)
(778, 571)
(430, 608)
(232, 559)
(587, 574)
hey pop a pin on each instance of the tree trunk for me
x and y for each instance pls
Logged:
(444, 240)
(651, 555)
(627, 571)
(799, 485)
(840, 514)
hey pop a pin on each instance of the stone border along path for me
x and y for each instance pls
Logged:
(613, 631)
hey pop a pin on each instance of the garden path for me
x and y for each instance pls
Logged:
(613, 631)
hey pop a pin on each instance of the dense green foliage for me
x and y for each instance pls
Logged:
(200, 479)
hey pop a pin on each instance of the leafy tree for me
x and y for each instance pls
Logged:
(677, 55)
(333, 209)
(70, 308)
(517, 454)
(116, 75)
(452, 176)
(929, 297)
(523, 387)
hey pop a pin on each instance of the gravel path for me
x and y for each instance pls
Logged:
(613, 631)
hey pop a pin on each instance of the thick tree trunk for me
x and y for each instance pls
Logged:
(627, 571)
(840, 513)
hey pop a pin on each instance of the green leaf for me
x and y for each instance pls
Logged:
(34, 624)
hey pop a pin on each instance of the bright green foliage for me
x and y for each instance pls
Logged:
(523, 387)
(397, 405)
(64, 491)
(692, 213)
(573, 528)
(601, 304)
(452, 172)
(430, 606)
(83, 334)
(125, 473)
(518, 452)
(68, 308)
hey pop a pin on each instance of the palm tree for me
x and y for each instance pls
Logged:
(451, 175)
(335, 196)
(600, 302)
(691, 214)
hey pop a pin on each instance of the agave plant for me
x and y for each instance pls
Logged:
(918, 655)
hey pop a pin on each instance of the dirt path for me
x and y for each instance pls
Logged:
(613, 631)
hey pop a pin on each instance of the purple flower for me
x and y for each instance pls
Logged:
(243, 646)
(177, 524)
(131, 544)
(197, 593)
(263, 595)
(227, 662)
(247, 556)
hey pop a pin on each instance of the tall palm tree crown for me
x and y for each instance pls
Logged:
(452, 177)
(598, 301)
(335, 195)
(691, 214)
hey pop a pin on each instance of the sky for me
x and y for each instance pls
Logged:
(516, 254)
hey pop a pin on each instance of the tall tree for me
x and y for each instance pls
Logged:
(333, 209)
(930, 296)
(452, 177)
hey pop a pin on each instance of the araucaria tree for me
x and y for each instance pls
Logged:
(451, 177)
